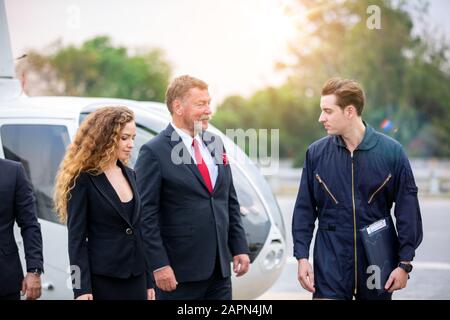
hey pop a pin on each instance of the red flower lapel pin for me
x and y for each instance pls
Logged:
(224, 158)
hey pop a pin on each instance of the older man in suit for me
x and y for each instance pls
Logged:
(190, 209)
(17, 204)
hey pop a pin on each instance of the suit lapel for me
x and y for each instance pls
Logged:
(220, 173)
(175, 141)
(102, 184)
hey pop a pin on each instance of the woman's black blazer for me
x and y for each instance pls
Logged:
(103, 239)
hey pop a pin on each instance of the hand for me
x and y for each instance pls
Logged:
(306, 275)
(31, 286)
(241, 263)
(165, 279)
(397, 280)
(151, 294)
(87, 296)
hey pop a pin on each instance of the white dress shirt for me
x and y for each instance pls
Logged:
(206, 155)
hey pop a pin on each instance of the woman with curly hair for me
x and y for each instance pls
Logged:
(96, 195)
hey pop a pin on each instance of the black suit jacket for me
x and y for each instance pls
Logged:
(17, 204)
(184, 225)
(103, 240)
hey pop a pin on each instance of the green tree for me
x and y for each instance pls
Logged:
(274, 108)
(97, 68)
(406, 77)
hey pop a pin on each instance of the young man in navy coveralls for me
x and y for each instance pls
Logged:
(350, 179)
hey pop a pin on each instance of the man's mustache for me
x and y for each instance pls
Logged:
(204, 117)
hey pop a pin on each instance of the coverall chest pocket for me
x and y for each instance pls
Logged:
(377, 190)
(329, 194)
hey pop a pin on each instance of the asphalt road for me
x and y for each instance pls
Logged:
(430, 278)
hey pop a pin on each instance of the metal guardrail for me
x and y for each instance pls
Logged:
(432, 177)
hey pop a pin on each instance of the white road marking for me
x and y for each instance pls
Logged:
(431, 265)
(418, 265)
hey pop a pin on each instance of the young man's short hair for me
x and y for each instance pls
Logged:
(180, 86)
(347, 92)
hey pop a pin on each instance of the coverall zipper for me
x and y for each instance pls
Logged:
(326, 188)
(381, 187)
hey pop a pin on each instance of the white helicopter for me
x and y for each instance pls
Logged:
(36, 132)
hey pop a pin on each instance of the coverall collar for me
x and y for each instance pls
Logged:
(369, 141)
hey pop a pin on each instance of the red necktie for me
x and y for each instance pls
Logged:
(202, 167)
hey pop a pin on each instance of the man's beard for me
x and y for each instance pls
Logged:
(198, 124)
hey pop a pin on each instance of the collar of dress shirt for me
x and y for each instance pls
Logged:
(187, 139)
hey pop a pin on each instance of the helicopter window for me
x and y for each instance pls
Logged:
(40, 148)
(267, 195)
(143, 135)
(254, 216)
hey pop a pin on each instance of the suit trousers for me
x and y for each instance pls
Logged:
(11, 296)
(214, 288)
(110, 288)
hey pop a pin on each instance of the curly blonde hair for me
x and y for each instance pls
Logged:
(92, 150)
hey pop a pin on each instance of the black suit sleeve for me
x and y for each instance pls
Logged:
(148, 173)
(150, 280)
(148, 273)
(77, 215)
(26, 217)
(236, 236)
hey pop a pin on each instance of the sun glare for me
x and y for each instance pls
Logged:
(274, 23)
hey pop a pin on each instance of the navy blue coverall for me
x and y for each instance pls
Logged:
(346, 193)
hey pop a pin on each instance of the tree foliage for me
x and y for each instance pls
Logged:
(406, 77)
(97, 68)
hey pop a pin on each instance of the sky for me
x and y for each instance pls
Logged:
(231, 44)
